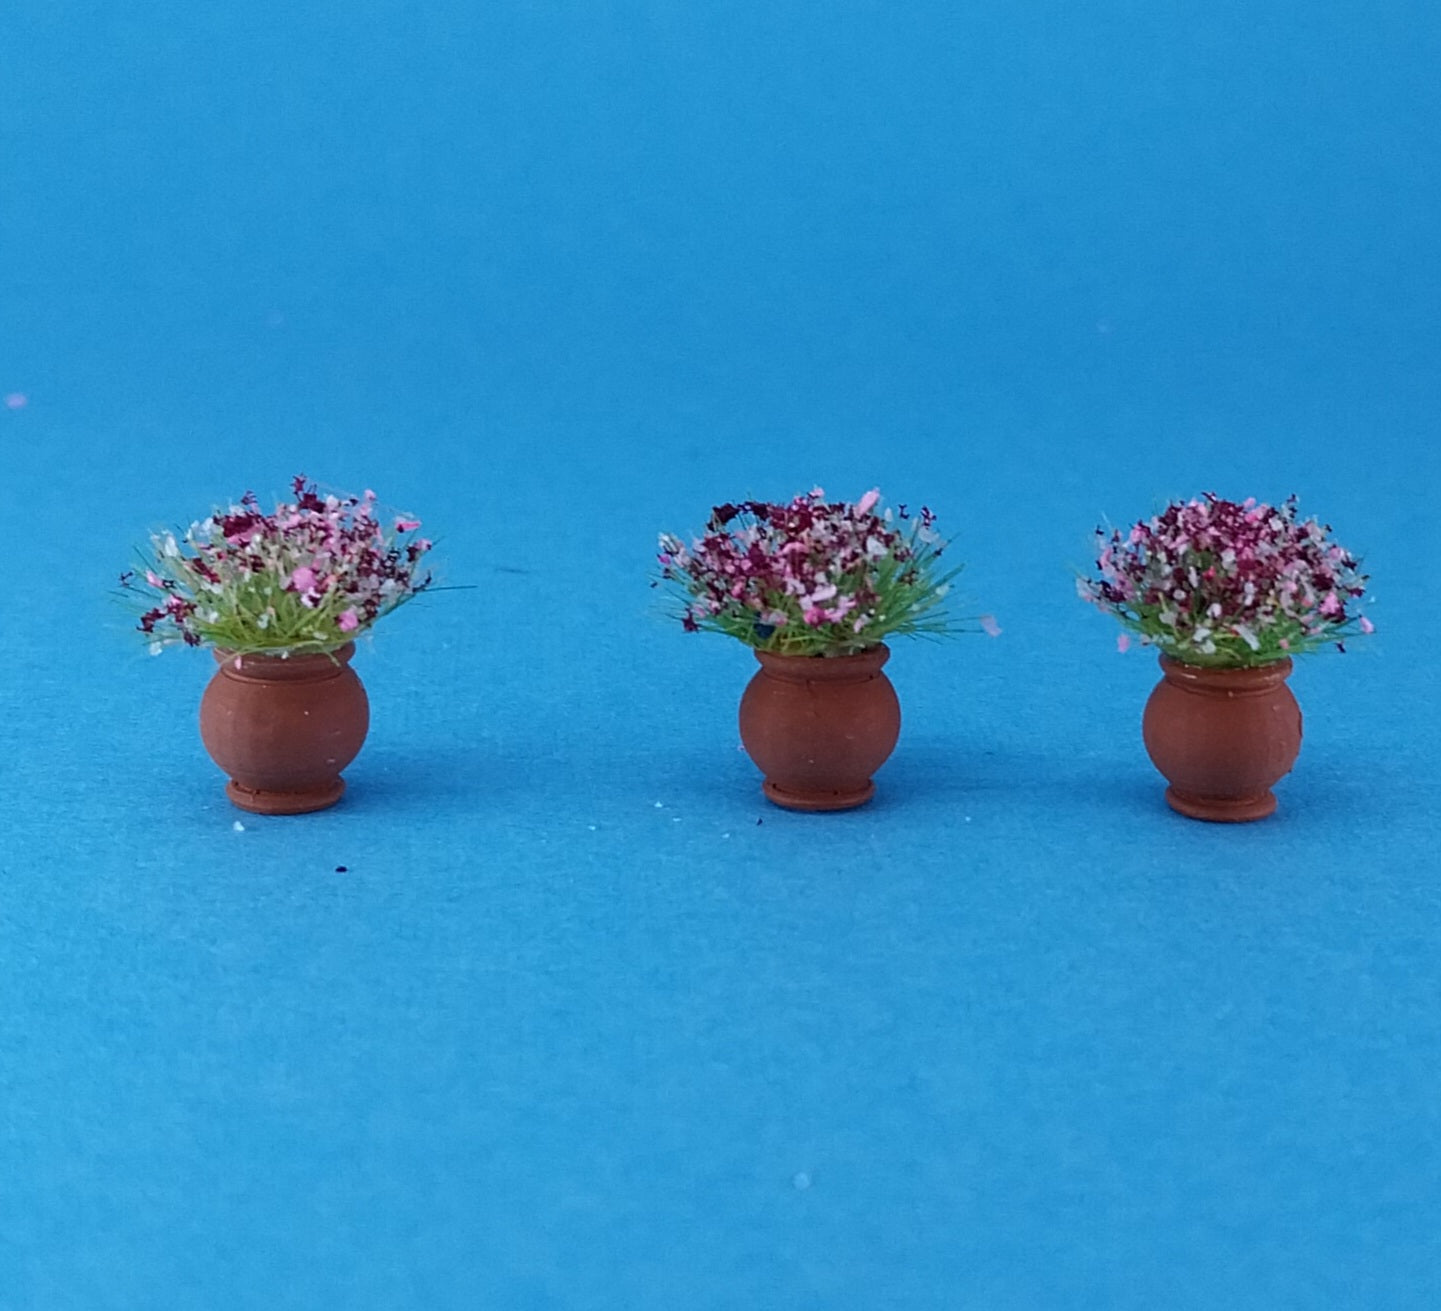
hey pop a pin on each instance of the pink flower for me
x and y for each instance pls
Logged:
(989, 626)
(1123, 643)
(345, 552)
(1366, 625)
(406, 525)
(814, 563)
(1220, 579)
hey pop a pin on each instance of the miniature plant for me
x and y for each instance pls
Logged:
(309, 576)
(1229, 585)
(811, 577)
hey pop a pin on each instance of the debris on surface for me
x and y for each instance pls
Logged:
(238, 826)
(16, 400)
(342, 869)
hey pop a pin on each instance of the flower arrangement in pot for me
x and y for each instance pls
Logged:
(1228, 593)
(280, 599)
(815, 588)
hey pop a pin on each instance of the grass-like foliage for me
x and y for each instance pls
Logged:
(811, 577)
(309, 576)
(1229, 585)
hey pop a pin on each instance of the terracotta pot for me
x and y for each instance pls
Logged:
(819, 727)
(284, 728)
(1222, 737)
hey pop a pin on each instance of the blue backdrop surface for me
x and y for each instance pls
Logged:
(584, 1023)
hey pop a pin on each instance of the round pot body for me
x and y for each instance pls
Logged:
(819, 727)
(1222, 737)
(284, 728)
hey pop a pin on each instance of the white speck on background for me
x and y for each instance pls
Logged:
(238, 826)
(591, 827)
(660, 805)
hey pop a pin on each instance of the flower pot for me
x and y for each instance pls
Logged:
(819, 727)
(284, 727)
(1222, 737)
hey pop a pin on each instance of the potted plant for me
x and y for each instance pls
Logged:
(1228, 593)
(280, 599)
(814, 587)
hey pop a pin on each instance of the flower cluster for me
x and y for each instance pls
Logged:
(812, 577)
(1227, 584)
(309, 576)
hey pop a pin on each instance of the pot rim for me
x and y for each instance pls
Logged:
(820, 668)
(1236, 679)
(268, 666)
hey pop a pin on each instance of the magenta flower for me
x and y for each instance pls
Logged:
(810, 576)
(307, 576)
(1216, 582)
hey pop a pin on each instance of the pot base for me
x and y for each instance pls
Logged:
(1239, 810)
(285, 803)
(818, 800)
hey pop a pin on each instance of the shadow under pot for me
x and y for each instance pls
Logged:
(283, 727)
(819, 726)
(1222, 737)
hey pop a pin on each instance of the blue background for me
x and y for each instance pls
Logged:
(577, 1029)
